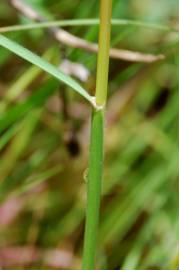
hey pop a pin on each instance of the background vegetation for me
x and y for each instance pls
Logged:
(44, 136)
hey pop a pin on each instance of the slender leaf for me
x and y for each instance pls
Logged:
(46, 66)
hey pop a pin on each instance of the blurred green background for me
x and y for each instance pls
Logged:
(44, 138)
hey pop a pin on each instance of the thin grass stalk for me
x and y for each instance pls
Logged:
(87, 22)
(96, 141)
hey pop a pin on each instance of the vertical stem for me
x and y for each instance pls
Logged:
(103, 55)
(96, 142)
(94, 190)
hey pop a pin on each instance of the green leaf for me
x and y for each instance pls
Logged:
(46, 66)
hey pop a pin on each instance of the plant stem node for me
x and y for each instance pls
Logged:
(95, 105)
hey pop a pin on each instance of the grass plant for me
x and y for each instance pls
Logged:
(129, 203)
(97, 138)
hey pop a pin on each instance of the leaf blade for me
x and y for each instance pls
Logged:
(44, 65)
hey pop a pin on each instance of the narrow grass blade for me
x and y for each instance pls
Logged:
(7, 136)
(36, 100)
(18, 145)
(87, 22)
(46, 66)
(34, 181)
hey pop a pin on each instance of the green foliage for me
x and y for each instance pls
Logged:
(38, 61)
(44, 143)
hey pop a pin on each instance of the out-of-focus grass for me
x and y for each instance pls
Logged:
(43, 154)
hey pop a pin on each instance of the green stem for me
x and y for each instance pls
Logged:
(103, 55)
(97, 136)
(94, 190)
